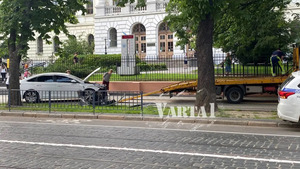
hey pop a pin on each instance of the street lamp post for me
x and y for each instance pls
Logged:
(105, 46)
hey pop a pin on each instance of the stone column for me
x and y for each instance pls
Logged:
(151, 5)
(100, 8)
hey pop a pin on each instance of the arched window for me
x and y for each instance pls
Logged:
(40, 45)
(55, 44)
(90, 7)
(139, 31)
(91, 40)
(165, 39)
(113, 37)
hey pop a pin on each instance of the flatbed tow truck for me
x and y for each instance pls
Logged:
(234, 88)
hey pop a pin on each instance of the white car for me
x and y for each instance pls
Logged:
(62, 86)
(289, 98)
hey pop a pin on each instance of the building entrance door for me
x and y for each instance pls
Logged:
(165, 40)
(139, 31)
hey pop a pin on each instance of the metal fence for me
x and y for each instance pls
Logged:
(72, 101)
(149, 68)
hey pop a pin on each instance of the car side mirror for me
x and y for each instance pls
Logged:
(73, 81)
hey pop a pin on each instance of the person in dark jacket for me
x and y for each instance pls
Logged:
(276, 62)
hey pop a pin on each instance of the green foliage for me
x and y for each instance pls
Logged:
(26, 18)
(72, 45)
(85, 65)
(4, 50)
(295, 31)
(22, 21)
(252, 30)
(104, 61)
(249, 29)
(88, 63)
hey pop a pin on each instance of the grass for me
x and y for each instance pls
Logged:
(60, 107)
(147, 110)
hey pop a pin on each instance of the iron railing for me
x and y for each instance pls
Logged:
(149, 68)
(126, 102)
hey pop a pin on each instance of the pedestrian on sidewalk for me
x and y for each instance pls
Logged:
(7, 81)
(3, 72)
(26, 74)
(106, 78)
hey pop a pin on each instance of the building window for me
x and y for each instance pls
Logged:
(91, 40)
(39, 45)
(113, 37)
(164, 27)
(139, 32)
(90, 7)
(55, 44)
(139, 28)
(166, 48)
(170, 46)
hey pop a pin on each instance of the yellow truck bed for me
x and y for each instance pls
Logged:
(228, 81)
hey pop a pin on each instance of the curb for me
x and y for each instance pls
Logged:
(244, 122)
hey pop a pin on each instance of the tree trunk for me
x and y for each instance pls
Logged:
(206, 91)
(14, 69)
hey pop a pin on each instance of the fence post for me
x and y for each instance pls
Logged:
(223, 69)
(94, 95)
(49, 101)
(142, 108)
(233, 70)
(9, 92)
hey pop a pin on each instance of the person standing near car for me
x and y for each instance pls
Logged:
(106, 78)
(276, 62)
(3, 72)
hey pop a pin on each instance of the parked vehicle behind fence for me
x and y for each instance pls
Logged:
(61, 86)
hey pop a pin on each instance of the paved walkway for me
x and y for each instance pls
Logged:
(204, 121)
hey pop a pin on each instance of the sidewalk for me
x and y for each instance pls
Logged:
(217, 120)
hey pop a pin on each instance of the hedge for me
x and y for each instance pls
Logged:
(87, 63)
(151, 67)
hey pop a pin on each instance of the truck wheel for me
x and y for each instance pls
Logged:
(234, 95)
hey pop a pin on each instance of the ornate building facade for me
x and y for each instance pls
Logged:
(105, 23)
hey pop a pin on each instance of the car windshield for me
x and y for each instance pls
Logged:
(75, 78)
(287, 81)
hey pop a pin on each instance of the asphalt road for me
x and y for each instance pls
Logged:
(252, 103)
(74, 143)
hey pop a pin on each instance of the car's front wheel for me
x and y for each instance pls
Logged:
(88, 95)
(31, 96)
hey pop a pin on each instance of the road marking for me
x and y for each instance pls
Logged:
(152, 151)
(192, 129)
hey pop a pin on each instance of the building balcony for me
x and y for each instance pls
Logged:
(151, 6)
